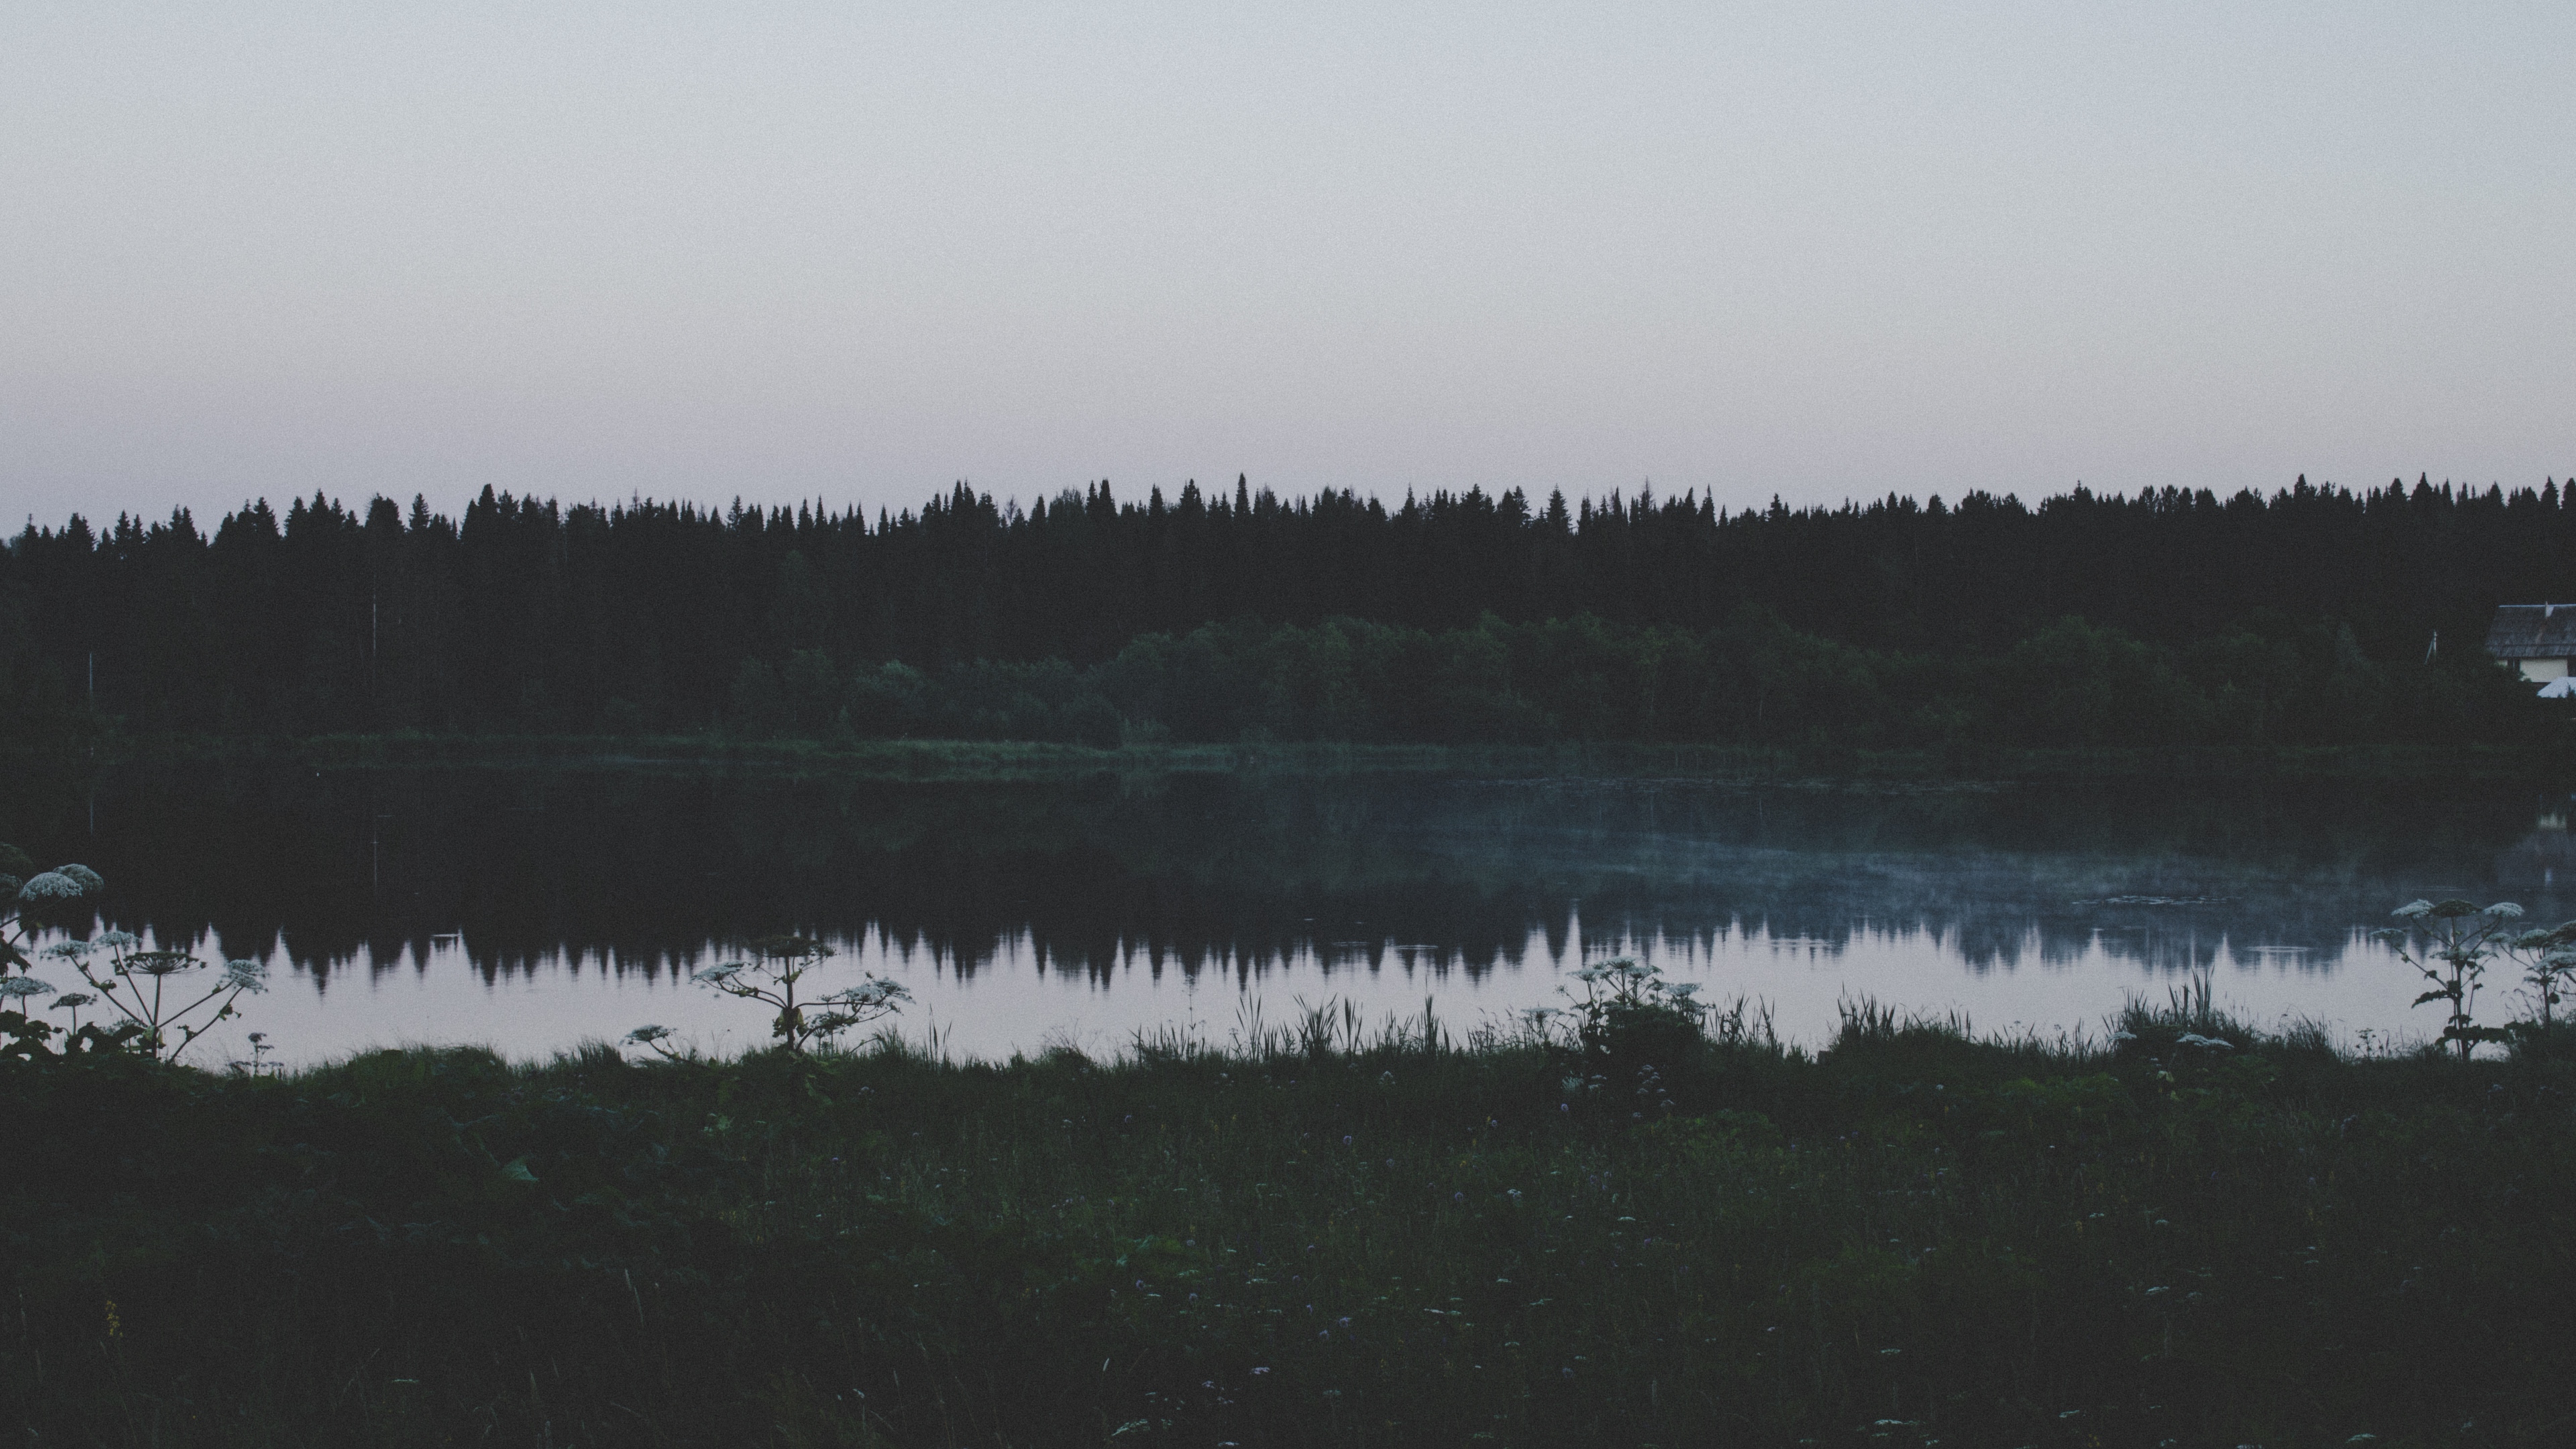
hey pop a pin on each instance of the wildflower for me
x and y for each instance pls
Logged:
(875, 992)
(2195, 1039)
(647, 1035)
(718, 975)
(2414, 910)
(72, 1000)
(257, 1037)
(118, 940)
(1687, 988)
(51, 885)
(2504, 910)
(246, 976)
(1259, 1370)
(66, 950)
(22, 987)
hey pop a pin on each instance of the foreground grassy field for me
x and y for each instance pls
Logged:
(1908, 1238)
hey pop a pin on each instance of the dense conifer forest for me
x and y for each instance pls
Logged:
(2314, 615)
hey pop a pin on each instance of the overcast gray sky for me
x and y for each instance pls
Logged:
(784, 250)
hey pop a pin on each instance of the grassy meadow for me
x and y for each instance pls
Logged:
(1318, 1235)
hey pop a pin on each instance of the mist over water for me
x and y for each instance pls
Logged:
(531, 909)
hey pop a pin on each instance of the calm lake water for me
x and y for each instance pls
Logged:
(532, 909)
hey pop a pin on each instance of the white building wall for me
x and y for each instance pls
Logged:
(2541, 671)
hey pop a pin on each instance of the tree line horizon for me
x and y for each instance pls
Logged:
(2315, 614)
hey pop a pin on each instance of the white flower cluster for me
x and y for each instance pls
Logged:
(161, 1025)
(58, 885)
(875, 992)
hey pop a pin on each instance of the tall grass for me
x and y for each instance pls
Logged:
(1323, 1230)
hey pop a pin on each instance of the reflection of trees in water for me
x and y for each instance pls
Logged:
(2543, 861)
(634, 871)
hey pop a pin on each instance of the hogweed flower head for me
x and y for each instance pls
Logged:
(159, 963)
(86, 878)
(875, 992)
(118, 940)
(50, 885)
(246, 976)
(19, 988)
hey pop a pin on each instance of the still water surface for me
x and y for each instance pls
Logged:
(531, 910)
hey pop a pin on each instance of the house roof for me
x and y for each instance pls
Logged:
(2533, 631)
